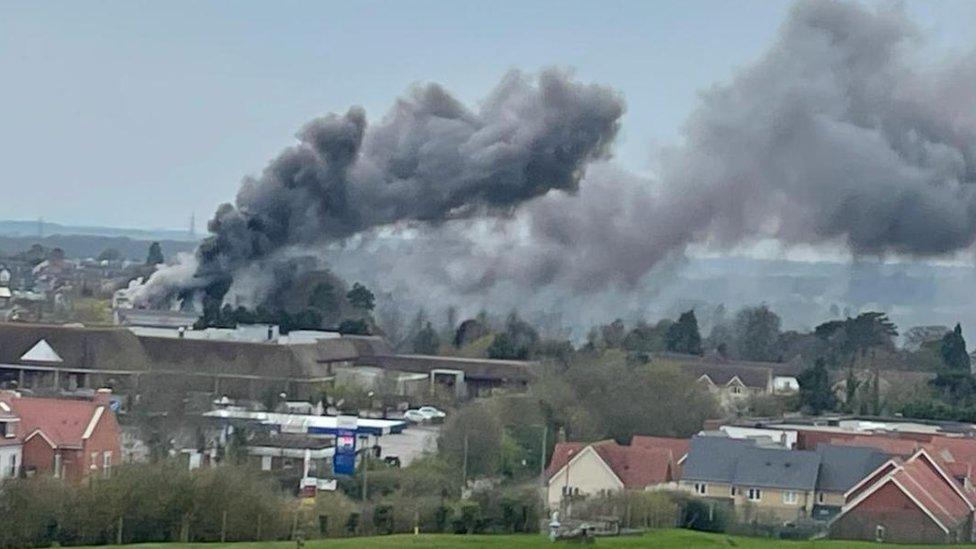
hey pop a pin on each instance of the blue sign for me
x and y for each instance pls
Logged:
(344, 460)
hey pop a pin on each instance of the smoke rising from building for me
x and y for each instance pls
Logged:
(430, 160)
(838, 134)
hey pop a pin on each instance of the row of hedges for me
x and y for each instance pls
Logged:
(146, 503)
(508, 510)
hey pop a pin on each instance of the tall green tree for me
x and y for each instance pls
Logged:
(683, 335)
(757, 331)
(516, 342)
(324, 298)
(426, 342)
(815, 392)
(155, 255)
(954, 355)
(361, 298)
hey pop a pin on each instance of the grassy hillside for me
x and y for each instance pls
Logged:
(662, 539)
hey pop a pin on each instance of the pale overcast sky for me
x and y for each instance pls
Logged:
(136, 114)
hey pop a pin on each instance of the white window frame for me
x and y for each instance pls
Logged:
(736, 390)
(106, 463)
(754, 494)
(879, 533)
(790, 497)
(57, 464)
(701, 488)
(820, 497)
(266, 463)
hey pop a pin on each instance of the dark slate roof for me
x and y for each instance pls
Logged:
(713, 458)
(721, 374)
(85, 348)
(742, 463)
(474, 368)
(231, 358)
(369, 345)
(775, 468)
(791, 368)
(841, 467)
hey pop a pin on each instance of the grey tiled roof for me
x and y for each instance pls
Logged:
(841, 467)
(742, 463)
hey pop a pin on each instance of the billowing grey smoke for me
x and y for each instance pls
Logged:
(838, 134)
(430, 160)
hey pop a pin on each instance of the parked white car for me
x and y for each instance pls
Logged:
(431, 413)
(414, 416)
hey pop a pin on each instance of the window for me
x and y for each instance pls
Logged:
(789, 498)
(701, 488)
(879, 533)
(754, 494)
(94, 459)
(266, 463)
(733, 491)
(57, 465)
(820, 497)
(736, 390)
(106, 463)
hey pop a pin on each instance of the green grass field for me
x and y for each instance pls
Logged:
(661, 539)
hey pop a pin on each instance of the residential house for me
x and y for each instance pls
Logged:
(66, 438)
(910, 501)
(761, 483)
(578, 469)
(726, 467)
(842, 468)
(731, 384)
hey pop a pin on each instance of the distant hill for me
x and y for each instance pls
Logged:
(80, 246)
(15, 228)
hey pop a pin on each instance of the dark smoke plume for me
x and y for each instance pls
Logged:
(839, 134)
(430, 160)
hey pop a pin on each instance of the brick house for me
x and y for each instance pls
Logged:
(65, 438)
(769, 483)
(580, 469)
(912, 501)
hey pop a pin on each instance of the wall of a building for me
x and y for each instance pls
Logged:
(890, 508)
(38, 456)
(8, 453)
(770, 506)
(830, 498)
(586, 472)
(105, 438)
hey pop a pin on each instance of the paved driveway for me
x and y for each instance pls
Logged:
(411, 443)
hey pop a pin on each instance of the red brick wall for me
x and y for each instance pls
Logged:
(105, 437)
(888, 467)
(903, 521)
(38, 455)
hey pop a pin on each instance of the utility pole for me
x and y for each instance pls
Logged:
(464, 466)
(365, 465)
(542, 454)
(543, 493)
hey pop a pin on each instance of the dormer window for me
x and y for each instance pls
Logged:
(8, 428)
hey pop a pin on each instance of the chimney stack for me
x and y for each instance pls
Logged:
(102, 396)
